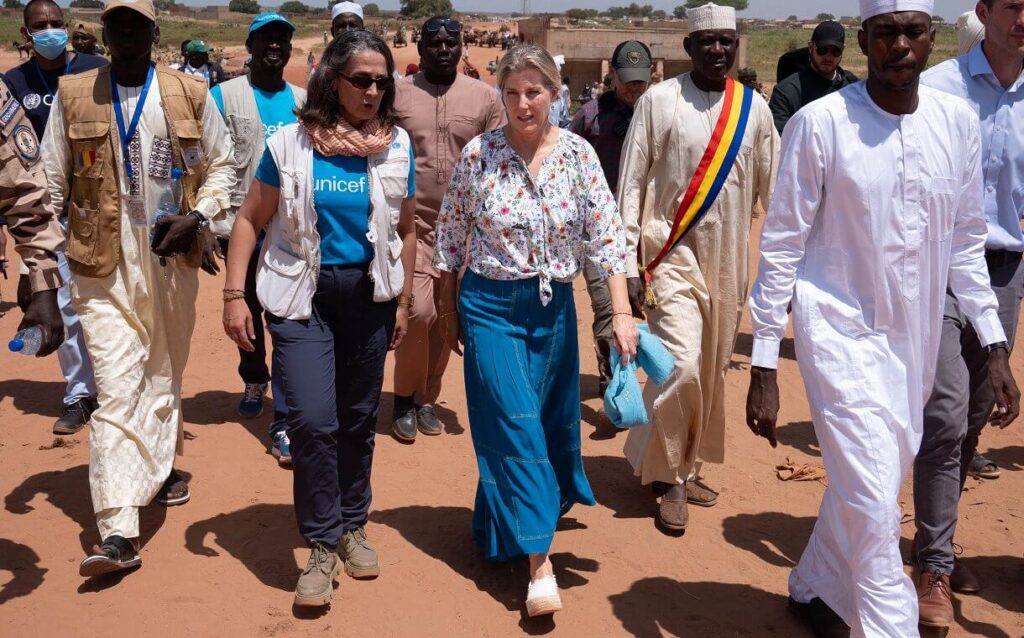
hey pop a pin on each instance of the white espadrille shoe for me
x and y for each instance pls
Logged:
(542, 597)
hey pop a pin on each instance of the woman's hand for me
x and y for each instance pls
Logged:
(401, 326)
(238, 324)
(625, 336)
(451, 330)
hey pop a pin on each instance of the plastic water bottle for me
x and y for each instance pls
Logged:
(27, 342)
(170, 202)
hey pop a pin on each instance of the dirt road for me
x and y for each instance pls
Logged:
(225, 563)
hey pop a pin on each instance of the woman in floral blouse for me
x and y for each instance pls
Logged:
(527, 204)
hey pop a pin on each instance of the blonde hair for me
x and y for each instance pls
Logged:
(529, 56)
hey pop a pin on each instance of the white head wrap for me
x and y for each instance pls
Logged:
(969, 32)
(346, 7)
(710, 16)
(872, 8)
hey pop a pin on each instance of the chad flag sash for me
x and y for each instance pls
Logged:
(712, 171)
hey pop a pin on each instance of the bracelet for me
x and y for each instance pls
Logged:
(230, 294)
(622, 313)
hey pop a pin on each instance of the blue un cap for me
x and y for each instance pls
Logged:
(264, 19)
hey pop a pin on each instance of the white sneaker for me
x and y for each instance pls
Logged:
(542, 597)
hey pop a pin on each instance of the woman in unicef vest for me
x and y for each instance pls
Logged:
(335, 273)
(533, 203)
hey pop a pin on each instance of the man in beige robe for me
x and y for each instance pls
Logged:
(701, 284)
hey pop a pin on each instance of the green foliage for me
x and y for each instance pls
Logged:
(658, 14)
(793, 18)
(244, 6)
(161, 5)
(426, 8)
(739, 5)
(371, 9)
(679, 12)
(13, 4)
(89, 4)
(582, 14)
(293, 6)
(821, 17)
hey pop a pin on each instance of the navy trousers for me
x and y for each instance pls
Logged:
(331, 369)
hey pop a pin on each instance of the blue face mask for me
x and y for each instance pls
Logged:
(50, 43)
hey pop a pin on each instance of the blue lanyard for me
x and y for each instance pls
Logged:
(127, 135)
(42, 78)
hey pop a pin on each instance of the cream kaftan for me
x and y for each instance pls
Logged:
(138, 320)
(701, 285)
(873, 213)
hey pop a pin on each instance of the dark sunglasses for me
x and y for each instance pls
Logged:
(363, 82)
(835, 52)
(450, 25)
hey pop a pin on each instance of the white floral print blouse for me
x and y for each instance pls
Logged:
(520, 226)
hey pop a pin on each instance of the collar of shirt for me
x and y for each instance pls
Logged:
(978, 64)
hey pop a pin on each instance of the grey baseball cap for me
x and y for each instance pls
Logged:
(632, 61)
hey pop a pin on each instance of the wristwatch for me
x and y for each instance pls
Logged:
(997, 345)
(204, 223)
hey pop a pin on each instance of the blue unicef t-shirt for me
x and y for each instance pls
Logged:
(276, 108)
(341, 197)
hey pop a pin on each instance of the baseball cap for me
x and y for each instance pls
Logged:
(87, 29)
(196, 46)
(145, 7)
(632, 61)
(264, 19)
(829, 33)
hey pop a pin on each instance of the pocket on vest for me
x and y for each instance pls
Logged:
(394, 177)
(82, 229)
(88, 142)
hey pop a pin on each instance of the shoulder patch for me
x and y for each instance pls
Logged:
(9, 112)
(25, 143)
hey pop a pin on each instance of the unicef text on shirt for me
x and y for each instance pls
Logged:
(335, 185)
(270, 129)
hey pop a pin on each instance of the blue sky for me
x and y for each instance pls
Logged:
(949, 9)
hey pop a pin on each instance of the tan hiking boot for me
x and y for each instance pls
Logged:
(672, 512)
(360, 558)
(316, 584)
(933, 599)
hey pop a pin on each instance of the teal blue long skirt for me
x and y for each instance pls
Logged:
(522, 370)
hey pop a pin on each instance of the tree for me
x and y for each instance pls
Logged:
(821, 17)
(244, 6)
(426, 8)
(793, 18)
(581, 14)
(371, 9)
(293, 6)
(162, 5)
(13, 4)
(658, 14)
(739, 5)
(679, 12)
(86, 4)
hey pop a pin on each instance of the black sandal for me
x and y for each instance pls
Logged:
(174, 491)
(117, 553)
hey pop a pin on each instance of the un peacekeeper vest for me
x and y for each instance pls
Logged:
(94, 214)
(243, 119)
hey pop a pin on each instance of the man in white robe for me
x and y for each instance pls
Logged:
(877, 206)
(701, 284)
(136, 302)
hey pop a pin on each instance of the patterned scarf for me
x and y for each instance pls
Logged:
(345, 139)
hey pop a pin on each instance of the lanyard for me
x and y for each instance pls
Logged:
(127, 135)
(42, 78)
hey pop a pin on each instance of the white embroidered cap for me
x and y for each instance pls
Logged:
(969, 32)
(872, 8)
(710, 16)
(346, 7)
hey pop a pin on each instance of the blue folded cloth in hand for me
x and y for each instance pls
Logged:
(623, 400)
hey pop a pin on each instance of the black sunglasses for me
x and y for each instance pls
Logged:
(448, 24)
(834, 51)
(363, 82)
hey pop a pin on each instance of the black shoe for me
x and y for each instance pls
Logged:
(75, 416)
(115, 554)
(427, 421)
(403, 424)
(174, 490)
(819, 617)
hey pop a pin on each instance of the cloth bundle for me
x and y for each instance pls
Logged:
(623, 400)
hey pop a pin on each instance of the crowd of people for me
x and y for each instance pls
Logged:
(433, 214)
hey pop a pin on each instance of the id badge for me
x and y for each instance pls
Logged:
(137, 210)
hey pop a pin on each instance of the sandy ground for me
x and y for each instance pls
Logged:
(225, 564)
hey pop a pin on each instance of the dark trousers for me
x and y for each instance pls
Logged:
(252, 366)
(959, 406)
(332, 369)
